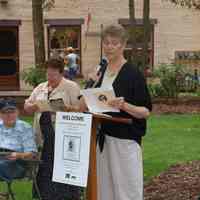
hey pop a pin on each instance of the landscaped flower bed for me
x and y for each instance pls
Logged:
(181, 105)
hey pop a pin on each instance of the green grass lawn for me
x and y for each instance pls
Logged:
(170, 139)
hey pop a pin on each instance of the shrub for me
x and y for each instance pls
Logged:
(169, 75)
(156, 90)
(34, 75)
(198, 91)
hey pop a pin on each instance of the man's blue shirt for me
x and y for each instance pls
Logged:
(19, 138)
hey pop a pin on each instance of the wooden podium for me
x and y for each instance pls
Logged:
(91, 192)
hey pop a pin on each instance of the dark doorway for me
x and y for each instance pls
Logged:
(9, 58)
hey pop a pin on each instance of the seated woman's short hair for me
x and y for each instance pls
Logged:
(55, 63)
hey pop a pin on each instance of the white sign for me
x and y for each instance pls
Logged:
(97, 98)
(72, 147)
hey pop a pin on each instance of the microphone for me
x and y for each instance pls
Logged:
(101, 68)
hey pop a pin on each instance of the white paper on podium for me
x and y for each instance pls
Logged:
(96, 100)
(72, 146)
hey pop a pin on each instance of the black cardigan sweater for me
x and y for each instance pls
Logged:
(131, 85)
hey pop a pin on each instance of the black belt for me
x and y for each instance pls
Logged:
(100, 140)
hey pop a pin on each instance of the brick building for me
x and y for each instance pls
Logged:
(174, 31)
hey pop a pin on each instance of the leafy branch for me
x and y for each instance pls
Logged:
(187, 3)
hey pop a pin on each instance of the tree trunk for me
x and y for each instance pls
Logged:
(38, 32)
(146, 33)
(132, 30)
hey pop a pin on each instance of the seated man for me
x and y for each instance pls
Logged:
(16, 142)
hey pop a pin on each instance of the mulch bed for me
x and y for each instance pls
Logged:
(179, 182)
(179, 106)
(160, 108)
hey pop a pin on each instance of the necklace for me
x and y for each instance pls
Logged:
(111, 73)
(114, 72)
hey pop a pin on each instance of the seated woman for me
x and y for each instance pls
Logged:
(55, 88)
(16, 138)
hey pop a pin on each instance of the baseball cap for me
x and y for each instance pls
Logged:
(7, 105)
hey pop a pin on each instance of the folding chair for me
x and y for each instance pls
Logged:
(30, 174)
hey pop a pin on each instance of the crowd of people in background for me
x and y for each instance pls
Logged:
(118, 144)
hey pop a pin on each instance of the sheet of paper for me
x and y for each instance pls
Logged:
(57, 104)
(96, 99)
(43, 105)
(72, 145)
(50, 105)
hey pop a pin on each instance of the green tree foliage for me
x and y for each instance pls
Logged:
(48, 4)
(187, 3)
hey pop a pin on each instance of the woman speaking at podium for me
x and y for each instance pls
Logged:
(119, 155)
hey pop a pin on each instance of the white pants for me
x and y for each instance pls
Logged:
(120, 170)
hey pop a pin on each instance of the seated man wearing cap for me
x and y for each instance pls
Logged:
(16, 142)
